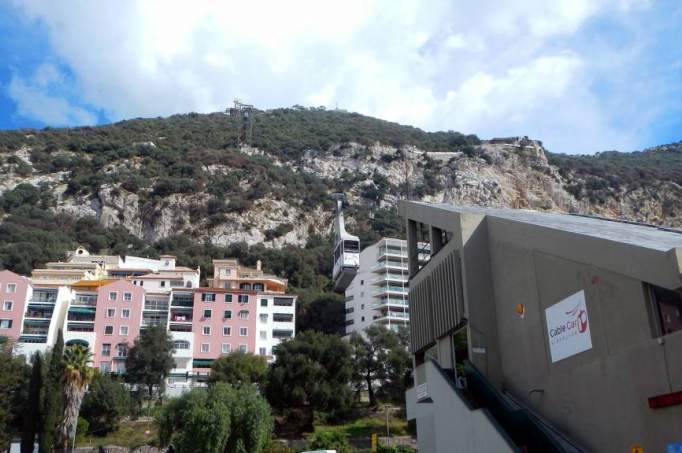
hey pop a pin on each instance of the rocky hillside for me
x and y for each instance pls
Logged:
(220, 179)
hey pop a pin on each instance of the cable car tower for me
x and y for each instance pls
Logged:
(346, 251)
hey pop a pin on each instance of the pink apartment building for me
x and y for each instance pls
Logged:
(224, 320)
(14, 293)
(117, 324)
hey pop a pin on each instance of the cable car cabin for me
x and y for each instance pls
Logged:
(346, 262)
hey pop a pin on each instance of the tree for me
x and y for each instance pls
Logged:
(14, 375)
(379, 357)
(311, 373)
(326, 314)
(32, 418)
(239, 368)
(53, 398)
(219, 419)
(105, 403)
(77, 376)
(150, 360)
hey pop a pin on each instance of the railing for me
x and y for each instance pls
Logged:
(284, 301)
(33, 339)
(180, 328)
(180, 318)
(159, 305)
(81, 318)
(389, 276)
(281, 317)
(391, 265)
(182, 302)
(390, 315)
(282, 333)
(39, 314)
(391, 289)
(391, 301)
(83, 299)
(153, 322)
(34, 331)
(70, 327)
(43, 299)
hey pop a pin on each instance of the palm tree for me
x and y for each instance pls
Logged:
(77, 376)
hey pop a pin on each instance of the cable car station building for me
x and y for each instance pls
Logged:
(543, 332)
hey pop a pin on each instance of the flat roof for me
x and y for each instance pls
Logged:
(642, 235)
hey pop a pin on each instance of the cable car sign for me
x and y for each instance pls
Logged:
(568, 327)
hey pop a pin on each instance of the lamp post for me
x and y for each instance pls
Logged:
(388, 434)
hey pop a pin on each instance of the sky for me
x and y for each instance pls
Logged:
(581, 75)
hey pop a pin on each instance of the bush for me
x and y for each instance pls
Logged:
(329, 440)
(106, 402)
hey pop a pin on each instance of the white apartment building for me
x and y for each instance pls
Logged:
(276, 321)
(378, 293)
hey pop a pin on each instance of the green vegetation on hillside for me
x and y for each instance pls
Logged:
(605, 174)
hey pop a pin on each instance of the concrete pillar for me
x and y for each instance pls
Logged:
(412, 252)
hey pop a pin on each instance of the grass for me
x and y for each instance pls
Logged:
(131, 434)
(373, 422)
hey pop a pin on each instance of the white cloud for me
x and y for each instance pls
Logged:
(491, 67)
(34, 99)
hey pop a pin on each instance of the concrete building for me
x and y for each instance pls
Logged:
(15, 292)
(543, 332)
(275, 310)
(378, 293)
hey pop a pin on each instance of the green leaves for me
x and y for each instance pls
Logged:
(239, 368)
(216, 420)
(150, 360)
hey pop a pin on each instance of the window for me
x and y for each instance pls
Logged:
(7, 305)
(362, 306)
(227, 331)
(228, 298)
(108, 330)
(258, 287)
(263, 302)
(243, 331)
(225, 348)
(106, 349)
(243, 298)
(206, 330)
(242, 348)
(180, 344)
(244, 314)
(125, 313)
(5, 323)
(113, 296)
(123, 330)
(127, 297)
(362, 282)
(122, 350)
(176, 283)
(208, 297)
(111, 312)
(667, 306)
(362, 319)
(246, 286)
(11, 288)
(105, 367)
(264, 318)
(263, 334)
(163, 283)
(141, 283)
(227, 314)
(208, 313)
(263, 351)
(205, 347)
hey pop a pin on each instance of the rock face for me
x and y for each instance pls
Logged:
(509, 172)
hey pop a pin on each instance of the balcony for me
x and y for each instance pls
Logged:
(156, 305)
(85, 300)
(384, 279)
(33, 339)
(278, 333)
(389, 290)
(187, 327)
(182, 300)
(80, 327)
(283, 317)
(390, 266)
(34, 330)
(43, 297)
(80, 317)
(284, 301)
(391, 302)
(390, 316)
(181, 317)
(38, 314)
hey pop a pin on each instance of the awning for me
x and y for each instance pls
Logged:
(202, 363)
(83, 310)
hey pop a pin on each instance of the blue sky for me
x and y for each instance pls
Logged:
(580, 75)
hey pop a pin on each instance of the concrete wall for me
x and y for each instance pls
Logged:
(599, 397)
(448, 424)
